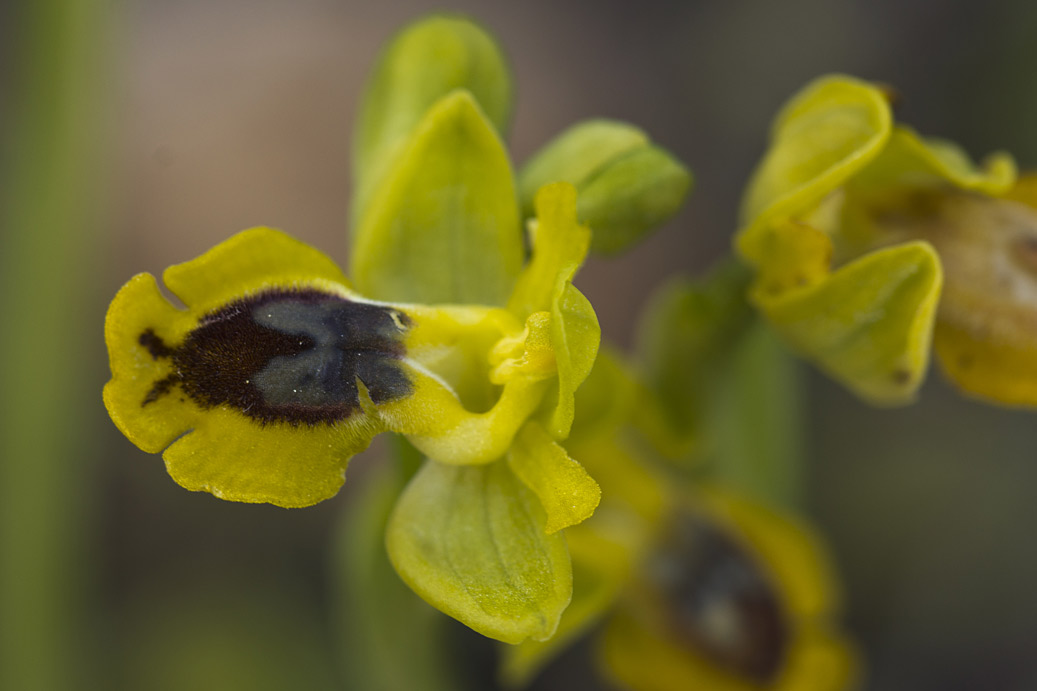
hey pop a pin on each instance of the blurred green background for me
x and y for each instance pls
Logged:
(138, 134)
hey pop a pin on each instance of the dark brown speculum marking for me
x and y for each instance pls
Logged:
(718, 601)
(288, 356)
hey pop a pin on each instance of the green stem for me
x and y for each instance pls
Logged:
(49, 218)
(759, 420)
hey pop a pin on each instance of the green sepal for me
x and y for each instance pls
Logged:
(868, 325)
(471, 541)
(379, 621)
(828, 132)
(443, 225)
(568, 494)
(423, 63)
(627, 187)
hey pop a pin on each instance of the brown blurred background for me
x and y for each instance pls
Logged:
(224, 114)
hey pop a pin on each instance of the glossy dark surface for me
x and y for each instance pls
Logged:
(288, 356)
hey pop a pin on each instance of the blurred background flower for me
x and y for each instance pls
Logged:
(137, 134)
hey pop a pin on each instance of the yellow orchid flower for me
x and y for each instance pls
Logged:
(732, 597)
(457, 335)
(278, 371)
(696, 586)
(872, 244)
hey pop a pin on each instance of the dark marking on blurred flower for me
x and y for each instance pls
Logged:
(719, 601)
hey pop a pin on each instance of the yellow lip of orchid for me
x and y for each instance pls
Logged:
(278, 372)
(842, 277)
(736, 598)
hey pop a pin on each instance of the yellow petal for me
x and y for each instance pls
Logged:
(568, 494)
(869, 325)
(137, 307)
(645, 660)
(794, 255)
(560, 245)
(226, 455)
(909, 159)
(436, 421)
(986, 333)
(824, 135)
(248, 262)
(529, 354)
(997, 372)
(735, 598)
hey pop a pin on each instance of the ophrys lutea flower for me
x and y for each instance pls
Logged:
(872, 243)
(278, 372)
(459, 333)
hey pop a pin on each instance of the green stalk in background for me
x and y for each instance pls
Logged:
(49, 215)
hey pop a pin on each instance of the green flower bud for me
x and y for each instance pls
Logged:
(627, 186)
(422, 64)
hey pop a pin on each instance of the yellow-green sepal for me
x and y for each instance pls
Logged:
(869, 324)
(560, 245)
(568, 494)
(911, 160)
(627, 186)
(471, 542)
(443, 225)
(423, 63)
(597, 583)
(828, 132)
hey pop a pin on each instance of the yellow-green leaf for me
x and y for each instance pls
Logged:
(443, 225)
(423, 63)
(471, 541)
(568, 494)
(869, 325)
